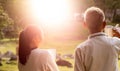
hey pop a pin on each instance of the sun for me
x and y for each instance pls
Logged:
(50, 11)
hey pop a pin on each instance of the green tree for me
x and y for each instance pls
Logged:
(4, 21)
(14, 9)
(111, 5)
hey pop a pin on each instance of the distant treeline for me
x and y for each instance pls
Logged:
(14, 13)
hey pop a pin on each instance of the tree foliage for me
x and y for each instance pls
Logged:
(108, 6)
(5, 20)
(14, 12)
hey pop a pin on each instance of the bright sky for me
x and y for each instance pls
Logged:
(50, 11)
(52, 14)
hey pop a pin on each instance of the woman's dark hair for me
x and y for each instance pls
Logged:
(25, 39)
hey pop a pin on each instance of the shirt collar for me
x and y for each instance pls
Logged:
(96, 34)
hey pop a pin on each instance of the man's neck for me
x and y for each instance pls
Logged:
(92, 32)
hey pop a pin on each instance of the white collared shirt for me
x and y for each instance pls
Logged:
(98, 53)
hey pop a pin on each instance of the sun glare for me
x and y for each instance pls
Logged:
(50, 11)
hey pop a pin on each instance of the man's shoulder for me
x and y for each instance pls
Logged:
(113, 40)
(84, 44)
(116, 38)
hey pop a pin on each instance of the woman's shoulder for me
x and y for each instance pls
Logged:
(40, 55)
(40, 52)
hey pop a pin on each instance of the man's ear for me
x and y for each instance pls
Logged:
(104, 24)
(84, 24)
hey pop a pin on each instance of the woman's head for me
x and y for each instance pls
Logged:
(29, 39)
(32, 36)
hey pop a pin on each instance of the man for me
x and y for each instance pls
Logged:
(99, 52)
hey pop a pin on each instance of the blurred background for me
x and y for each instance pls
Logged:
(60, 20)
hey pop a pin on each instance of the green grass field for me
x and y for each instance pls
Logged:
(65, 47)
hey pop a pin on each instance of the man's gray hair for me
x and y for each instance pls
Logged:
(94, 17)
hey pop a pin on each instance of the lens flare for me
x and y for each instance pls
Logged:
(50, 11)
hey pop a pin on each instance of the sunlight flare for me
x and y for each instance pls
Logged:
(50, 11)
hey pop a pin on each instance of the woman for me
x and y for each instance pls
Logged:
(31, 58)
